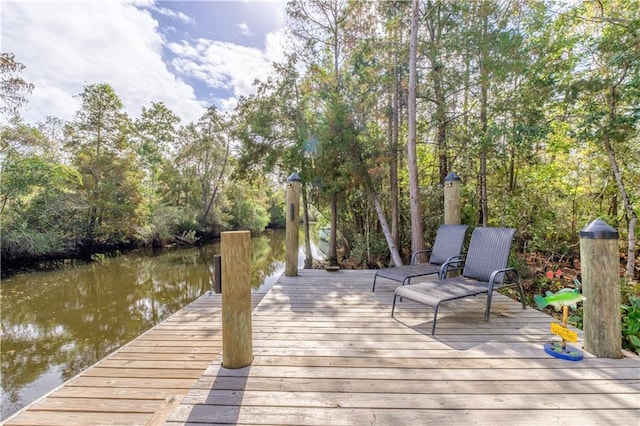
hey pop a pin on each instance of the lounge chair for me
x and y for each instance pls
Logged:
(446, 248)
(485, 270)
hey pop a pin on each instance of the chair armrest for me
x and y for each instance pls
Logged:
(515, 279)
(415, 254)
(454, 263)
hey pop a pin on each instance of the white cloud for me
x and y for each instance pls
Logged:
(67, 45)
(244, 29)
(175, 15)
(223, 65)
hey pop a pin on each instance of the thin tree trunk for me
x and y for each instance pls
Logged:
(395, 131)
(308, 258)
(393, 172)
(214, 193)
(632, 218)
(332, 256)
(440, 116)
(417, 242)
(393, 248)
(484, 142)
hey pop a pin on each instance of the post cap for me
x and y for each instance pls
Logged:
(599, 230)
(452, 177)
(294, 178)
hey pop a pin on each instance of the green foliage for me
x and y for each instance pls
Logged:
(369, 250)
(165, 223)
(630, 310)
(13, 88)
(631, 324)
(277, 214)
(246, 209)
(38, 203)
(32, 245)
(577, 317)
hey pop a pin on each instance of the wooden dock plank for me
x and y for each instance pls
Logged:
(410, 401)
(338, 416)
(293, 384)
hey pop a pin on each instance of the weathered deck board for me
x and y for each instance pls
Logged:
(327, 352)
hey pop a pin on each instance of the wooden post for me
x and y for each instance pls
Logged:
(237, 345)
(565, 318)
(600, 268)
(452, 199)
(217, 274)
(292, 208)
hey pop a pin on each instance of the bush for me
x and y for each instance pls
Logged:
(630, 311)
(370, 252)
(18, 246)
(631, 324)
(166, 222)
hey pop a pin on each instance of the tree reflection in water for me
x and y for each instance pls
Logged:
(55, 324)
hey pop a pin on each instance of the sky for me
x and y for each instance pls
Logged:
(187, 54)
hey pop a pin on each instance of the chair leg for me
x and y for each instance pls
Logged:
(374, 282)
(393, 306)
(487, 310)
(435, 318)
(522, 300)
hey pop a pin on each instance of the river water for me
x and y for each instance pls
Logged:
(56, 324)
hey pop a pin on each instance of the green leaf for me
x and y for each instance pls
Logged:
(635, 341)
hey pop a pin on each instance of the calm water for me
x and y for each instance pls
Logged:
(56, 324)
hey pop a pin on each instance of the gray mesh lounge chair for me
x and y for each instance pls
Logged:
(446, 248)
(485, 270)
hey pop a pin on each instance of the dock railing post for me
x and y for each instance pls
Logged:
(452, 199)
(600, 268)
(217, 274)
(237, 344)
(292, 213)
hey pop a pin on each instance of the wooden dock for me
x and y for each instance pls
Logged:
(327, 352)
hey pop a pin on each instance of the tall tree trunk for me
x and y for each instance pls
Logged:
(417, 241)
(370, 189)
(632, 218)
(441, 124)
(393, 248)
(395, 132)
(393, 172)
(216, 186)
(440, 117)
(308, 257)
(332, 256)
(484, 93)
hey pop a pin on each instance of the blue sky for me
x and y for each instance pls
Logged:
(187, 54)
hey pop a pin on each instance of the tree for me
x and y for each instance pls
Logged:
(417, 241)
(202, 160)
(38, 201)
(609, 90)
(100, 135)
(156, 134)
(319, 25)
(13, 88)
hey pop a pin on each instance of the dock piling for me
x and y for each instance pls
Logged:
(237, 345)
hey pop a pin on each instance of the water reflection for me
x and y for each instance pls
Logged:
(56, 324)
